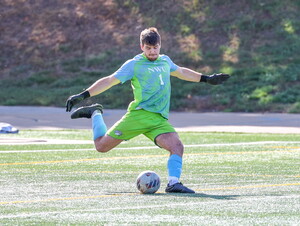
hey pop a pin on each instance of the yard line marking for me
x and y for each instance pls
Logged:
(73, 150)
(108, 172)
(98, 210)
(61, 199)
(249, 186)
(201, 174)
(284, 147)
(80, 160)
(145, 156)
(243, 143)
(248, 175)
(50, 150)
(130, 194)
(155, 147)
(241, 152)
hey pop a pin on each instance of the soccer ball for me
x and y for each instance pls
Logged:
(148, 182)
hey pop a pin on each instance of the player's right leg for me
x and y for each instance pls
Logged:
(164, 135)
(172, 143)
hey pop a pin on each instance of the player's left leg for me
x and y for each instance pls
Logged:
(106, 143)
(172, 143)
(103, 142)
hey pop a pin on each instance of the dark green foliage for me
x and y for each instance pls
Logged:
(56, 52)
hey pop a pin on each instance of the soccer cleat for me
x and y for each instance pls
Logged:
(178, 188)
(86, 111)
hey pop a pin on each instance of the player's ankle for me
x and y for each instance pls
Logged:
(173, 180)
(96, 112)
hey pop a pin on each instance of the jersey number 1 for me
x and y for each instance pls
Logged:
(161, 80)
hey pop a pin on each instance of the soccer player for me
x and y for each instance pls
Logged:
(149, 73)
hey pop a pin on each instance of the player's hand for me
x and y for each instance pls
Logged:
(215, 79)
(75, 99)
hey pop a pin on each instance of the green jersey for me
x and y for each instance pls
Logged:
(150, 81)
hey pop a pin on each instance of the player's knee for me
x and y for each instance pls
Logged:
(101, 148)
(178, 149)
(179, 146)
(99, 145)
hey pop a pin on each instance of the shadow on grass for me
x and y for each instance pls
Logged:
(199, 195)
(192, 195)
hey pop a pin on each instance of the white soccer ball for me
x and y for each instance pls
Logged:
(148, 182)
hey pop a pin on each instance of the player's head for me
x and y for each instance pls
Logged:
(150, 43)
(150, 36)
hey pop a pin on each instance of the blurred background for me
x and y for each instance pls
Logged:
(53, 49)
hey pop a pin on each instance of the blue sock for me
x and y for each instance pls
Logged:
(175, 166)
(99, 127)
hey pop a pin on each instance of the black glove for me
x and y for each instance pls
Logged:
(214, 79)
(75, 99)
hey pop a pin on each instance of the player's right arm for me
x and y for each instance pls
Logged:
(98, 87)
(124, 73)
(103, 84)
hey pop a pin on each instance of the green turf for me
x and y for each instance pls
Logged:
(238, 182)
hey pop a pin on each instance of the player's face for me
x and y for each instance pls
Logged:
(151, 52)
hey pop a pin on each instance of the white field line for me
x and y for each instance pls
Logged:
(154, 147)
(23, 141)
(166, 205)
(100, 210)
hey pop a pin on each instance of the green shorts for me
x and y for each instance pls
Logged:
(137, 122)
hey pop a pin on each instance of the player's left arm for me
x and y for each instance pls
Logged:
(193, 76)
(187, 74)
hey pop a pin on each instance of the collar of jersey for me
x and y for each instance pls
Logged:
(143, 55)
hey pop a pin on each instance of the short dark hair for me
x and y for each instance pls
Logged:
(150, 36)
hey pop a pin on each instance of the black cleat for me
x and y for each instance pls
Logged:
(178, 188)
(86, 111)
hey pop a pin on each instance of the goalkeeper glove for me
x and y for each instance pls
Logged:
(214, 79)
(75, 99)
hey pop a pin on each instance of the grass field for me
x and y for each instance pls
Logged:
(240, 179)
